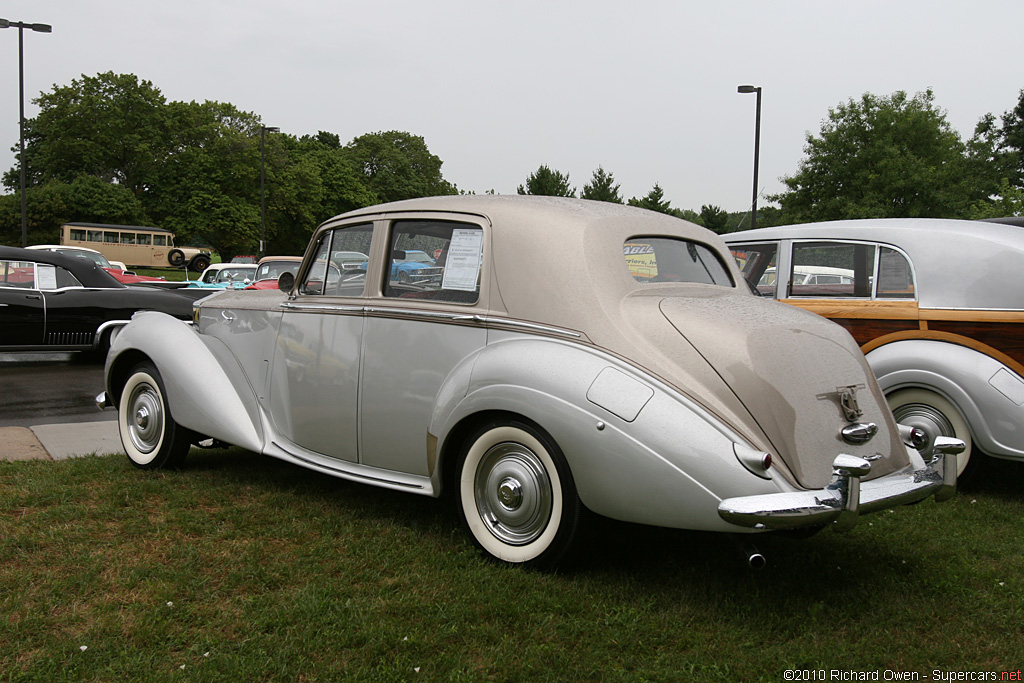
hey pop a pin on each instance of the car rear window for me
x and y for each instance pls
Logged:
(669, 259)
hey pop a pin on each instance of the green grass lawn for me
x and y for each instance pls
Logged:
(242, 568)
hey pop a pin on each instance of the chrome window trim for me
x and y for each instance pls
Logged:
(793, 243)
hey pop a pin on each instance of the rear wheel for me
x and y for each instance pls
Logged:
(199, 264)
(150, 436)
(176, 258)
(516, 495)
(936, 416)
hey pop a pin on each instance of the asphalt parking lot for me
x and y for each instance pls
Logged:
(47, 408)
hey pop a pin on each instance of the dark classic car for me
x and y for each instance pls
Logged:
(569, 355)
(49, 301)
(936, 305)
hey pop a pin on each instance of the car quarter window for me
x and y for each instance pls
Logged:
(669, 259)
(895, 277)
(759, 263)
(434, 261)
(832, 269)
(339, 267)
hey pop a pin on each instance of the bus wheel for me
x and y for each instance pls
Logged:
(199, 264)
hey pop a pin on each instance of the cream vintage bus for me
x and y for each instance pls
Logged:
(136, 246)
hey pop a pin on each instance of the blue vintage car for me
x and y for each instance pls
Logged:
(226, 276)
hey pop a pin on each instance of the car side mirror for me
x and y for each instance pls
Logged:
(286, 281)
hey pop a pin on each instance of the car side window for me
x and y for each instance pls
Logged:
(832, 269)
(895, 277)
(17, 274)
(434, 261)
(339, 267)
(759, 262)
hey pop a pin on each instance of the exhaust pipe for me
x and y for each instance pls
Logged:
(753, 557)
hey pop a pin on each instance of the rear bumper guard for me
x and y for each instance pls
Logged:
(841, 503)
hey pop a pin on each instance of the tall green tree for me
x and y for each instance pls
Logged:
(208, 189)
(86, 199)
(110, 126)
(602, 187)
(547, 182)
(654, 201)
(714, 218)
(397, 165)
(894, 156)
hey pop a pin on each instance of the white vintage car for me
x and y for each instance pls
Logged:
(570, 355)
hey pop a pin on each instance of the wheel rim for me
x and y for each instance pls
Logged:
(513, 493)
(145, 419)
(926, 418)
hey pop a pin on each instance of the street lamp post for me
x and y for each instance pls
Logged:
(263, 179)
(757, 148)
(41, 28)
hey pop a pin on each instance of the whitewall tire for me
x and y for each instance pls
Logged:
(936, 415)
(516, 495)
(149, 434)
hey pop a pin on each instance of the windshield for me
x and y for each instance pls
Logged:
(100, 260)
(669, 259)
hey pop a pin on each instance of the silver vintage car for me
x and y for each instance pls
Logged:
(570, 355)
(936, 305)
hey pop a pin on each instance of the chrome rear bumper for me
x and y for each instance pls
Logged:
(846, 497)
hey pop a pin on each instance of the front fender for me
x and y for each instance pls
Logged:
(189, 364)
(638, 451)
(989, 395)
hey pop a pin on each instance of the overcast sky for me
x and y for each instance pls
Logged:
(644, 88)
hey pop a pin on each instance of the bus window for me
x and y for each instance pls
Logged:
(110, 237)
(127, 238)
(159, 240)
(95, 236)
(143, 240)
(78, 235)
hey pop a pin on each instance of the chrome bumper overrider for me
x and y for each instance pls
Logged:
(846, 497)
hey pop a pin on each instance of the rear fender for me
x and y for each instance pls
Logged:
(206, 389)
(988, 394)
(638, 451)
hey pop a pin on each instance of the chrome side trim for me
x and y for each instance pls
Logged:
(354, 471)
(419, 313)
(322, 308)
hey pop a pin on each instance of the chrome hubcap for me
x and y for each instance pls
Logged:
(926, 418)
(146, 428)
(513, 493)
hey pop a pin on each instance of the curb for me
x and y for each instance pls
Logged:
(59, 441)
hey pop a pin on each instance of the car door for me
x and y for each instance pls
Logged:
(22, 309)
(315, 386)
(418, 330)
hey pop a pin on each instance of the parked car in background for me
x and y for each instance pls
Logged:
(271, 268)
(117, 269)
(225, 275)
(936, 305)
(539, 375)
(243, 259)
(136, 245)
(54, 302)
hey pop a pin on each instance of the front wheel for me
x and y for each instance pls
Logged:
(516, 495)
(150, 436)
(934, 414)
